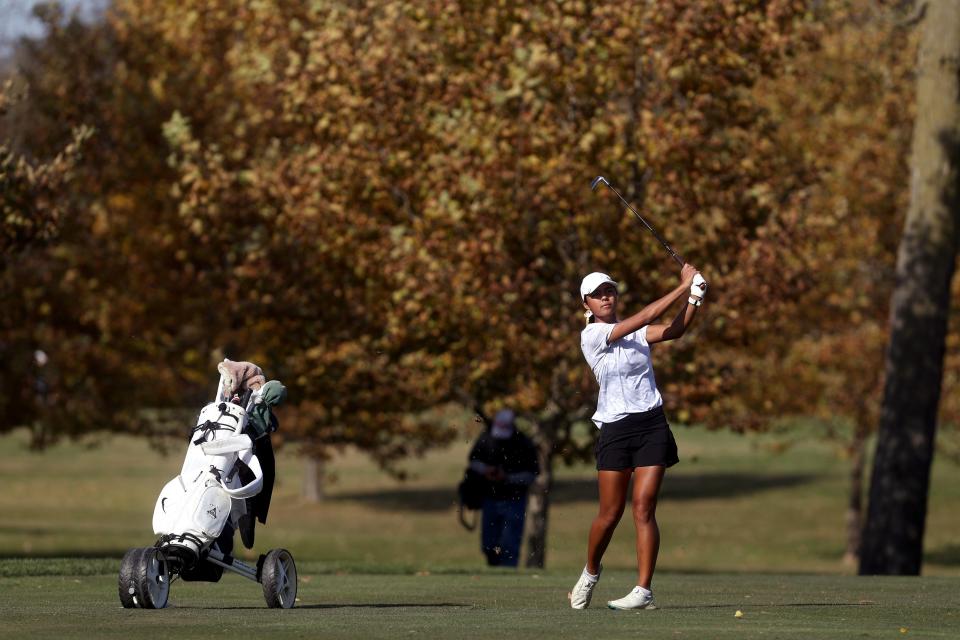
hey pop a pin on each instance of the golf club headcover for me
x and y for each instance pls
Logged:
(699, 287)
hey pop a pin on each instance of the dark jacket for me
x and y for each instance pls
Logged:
(517, 457)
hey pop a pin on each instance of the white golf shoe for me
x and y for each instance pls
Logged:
(636, 599)
(583, 590)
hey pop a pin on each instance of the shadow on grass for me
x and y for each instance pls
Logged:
(398, 605)
(47, 555)
(675, 487)
(28, 531)
(761, 605)
(948, 555)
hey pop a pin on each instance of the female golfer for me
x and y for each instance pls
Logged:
(635, 438)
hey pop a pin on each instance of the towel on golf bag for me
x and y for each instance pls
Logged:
(240, 376)
(261, 420)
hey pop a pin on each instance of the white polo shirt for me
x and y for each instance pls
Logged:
(624, 371)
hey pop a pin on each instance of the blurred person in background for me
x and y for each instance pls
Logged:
(507, 460)
(635, 439)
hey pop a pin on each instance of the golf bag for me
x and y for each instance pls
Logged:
(224, 485)
(227, 475)
(193, 508)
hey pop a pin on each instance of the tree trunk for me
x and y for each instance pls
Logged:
(896, 516)
(539, 506)
(855, 503)
(314, 471)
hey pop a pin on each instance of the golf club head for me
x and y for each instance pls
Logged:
(596, 183)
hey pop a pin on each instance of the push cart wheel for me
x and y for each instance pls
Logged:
(144, 579)
(279, 579)
(127, 581)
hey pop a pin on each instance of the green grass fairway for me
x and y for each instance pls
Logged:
(747, 524)
(491, 605)
(734, 504)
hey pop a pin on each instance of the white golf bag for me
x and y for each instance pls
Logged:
(194, 507)
(220, 473)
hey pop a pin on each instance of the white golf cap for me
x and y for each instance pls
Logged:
(592, 282)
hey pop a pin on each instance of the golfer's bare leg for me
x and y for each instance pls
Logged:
(646, 488)
(613, 497)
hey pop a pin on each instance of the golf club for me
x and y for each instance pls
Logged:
(601, 180)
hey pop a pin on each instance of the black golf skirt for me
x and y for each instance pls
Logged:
(639, 440)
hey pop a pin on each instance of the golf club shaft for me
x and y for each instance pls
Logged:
(601, 180)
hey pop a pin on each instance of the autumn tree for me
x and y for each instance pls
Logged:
(143, 295)
(100, 301)
(30, 206)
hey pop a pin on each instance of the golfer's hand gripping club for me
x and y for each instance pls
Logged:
(699, 287)
(601, 180)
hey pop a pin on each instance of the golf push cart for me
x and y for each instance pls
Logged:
(225, 484)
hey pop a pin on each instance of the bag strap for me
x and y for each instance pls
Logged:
(466, 525)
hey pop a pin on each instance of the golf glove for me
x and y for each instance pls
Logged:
(699, 287)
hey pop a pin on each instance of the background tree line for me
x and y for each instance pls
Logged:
(386, 206)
